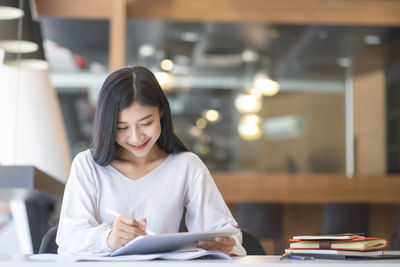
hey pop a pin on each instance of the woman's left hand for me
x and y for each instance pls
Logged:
(224, 244)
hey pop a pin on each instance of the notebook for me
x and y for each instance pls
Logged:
(345, 254)
(168, 242)
(329, 237)
(174, 255)
(356, 243)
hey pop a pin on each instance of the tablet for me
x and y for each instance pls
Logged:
(168, 242)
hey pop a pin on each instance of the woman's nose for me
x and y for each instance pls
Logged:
(134, 136)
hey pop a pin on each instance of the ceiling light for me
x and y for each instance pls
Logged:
(212, 115)
(246, 103)
(205, 139)
(201, 123)
(202, 149)
(255, 92)
(189, 37)
(249, 131)
(18, 46)
(164, 79)
(266, 86)
(146, 50)
(31, 64)
(343, 62)
(194, 131)
(372, 40)
(249, 55)
(251, 119)
(7, 13)
(167, 64)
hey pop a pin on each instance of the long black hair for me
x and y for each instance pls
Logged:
(119, 91)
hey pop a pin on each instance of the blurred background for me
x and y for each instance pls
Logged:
(263, 92)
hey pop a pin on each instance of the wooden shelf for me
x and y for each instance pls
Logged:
(307, 189)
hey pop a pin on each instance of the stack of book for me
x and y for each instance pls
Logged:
(340, 246)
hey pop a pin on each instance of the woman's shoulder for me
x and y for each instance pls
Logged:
(187, 158)
(84, 165)
(85, 155)
(84, 159)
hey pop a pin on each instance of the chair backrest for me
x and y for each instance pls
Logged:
(264, 220)
(345, 218)
(251, 244)
(49, 244)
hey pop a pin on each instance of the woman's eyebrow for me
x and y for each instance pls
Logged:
(146, 117)
(142, 119)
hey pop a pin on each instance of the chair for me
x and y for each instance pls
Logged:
(251, 244)
(345, 218)
(264, 220)
(182, 225)
(395, 240)
(49, 244)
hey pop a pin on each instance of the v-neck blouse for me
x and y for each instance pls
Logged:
(160, 197)
(150, 173)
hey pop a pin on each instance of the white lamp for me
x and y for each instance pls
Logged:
(20, 30)
(32, 128)
(9, 12)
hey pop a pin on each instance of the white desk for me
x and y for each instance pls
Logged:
(253, 261)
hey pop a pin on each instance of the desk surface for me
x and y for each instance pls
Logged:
(254, 261)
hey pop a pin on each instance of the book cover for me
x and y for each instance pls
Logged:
(356, 243)
(330, 237)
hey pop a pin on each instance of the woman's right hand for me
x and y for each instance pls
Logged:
(124, 230)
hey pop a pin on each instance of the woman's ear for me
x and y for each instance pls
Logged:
(161, 114)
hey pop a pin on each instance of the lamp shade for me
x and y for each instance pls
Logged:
(37, 42)
(24, 39)
(7, 12)
(32, 128)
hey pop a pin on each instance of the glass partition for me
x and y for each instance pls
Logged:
(244, 96)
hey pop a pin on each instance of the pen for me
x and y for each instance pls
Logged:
(116, 214)
(299, 258)
(285, 255)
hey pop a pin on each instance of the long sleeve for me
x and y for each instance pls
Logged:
(79, 229)
(206, 209)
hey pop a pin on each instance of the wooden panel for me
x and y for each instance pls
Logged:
(369, 113)
(84, 9)
(361, 12)
(321, 148)
(372, 12)
(307, 189)
(117, 53)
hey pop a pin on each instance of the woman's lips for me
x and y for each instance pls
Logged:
(141, 146)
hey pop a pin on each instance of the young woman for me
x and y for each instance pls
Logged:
(138, 168)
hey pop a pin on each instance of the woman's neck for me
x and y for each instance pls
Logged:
(155, 154)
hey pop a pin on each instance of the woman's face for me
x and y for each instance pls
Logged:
(138, 129)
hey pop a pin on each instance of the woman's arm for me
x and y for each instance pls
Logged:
(79, 230)
(206, 210)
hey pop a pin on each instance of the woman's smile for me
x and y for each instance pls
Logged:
(140, 147)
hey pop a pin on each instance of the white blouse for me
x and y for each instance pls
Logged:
(160, 196)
